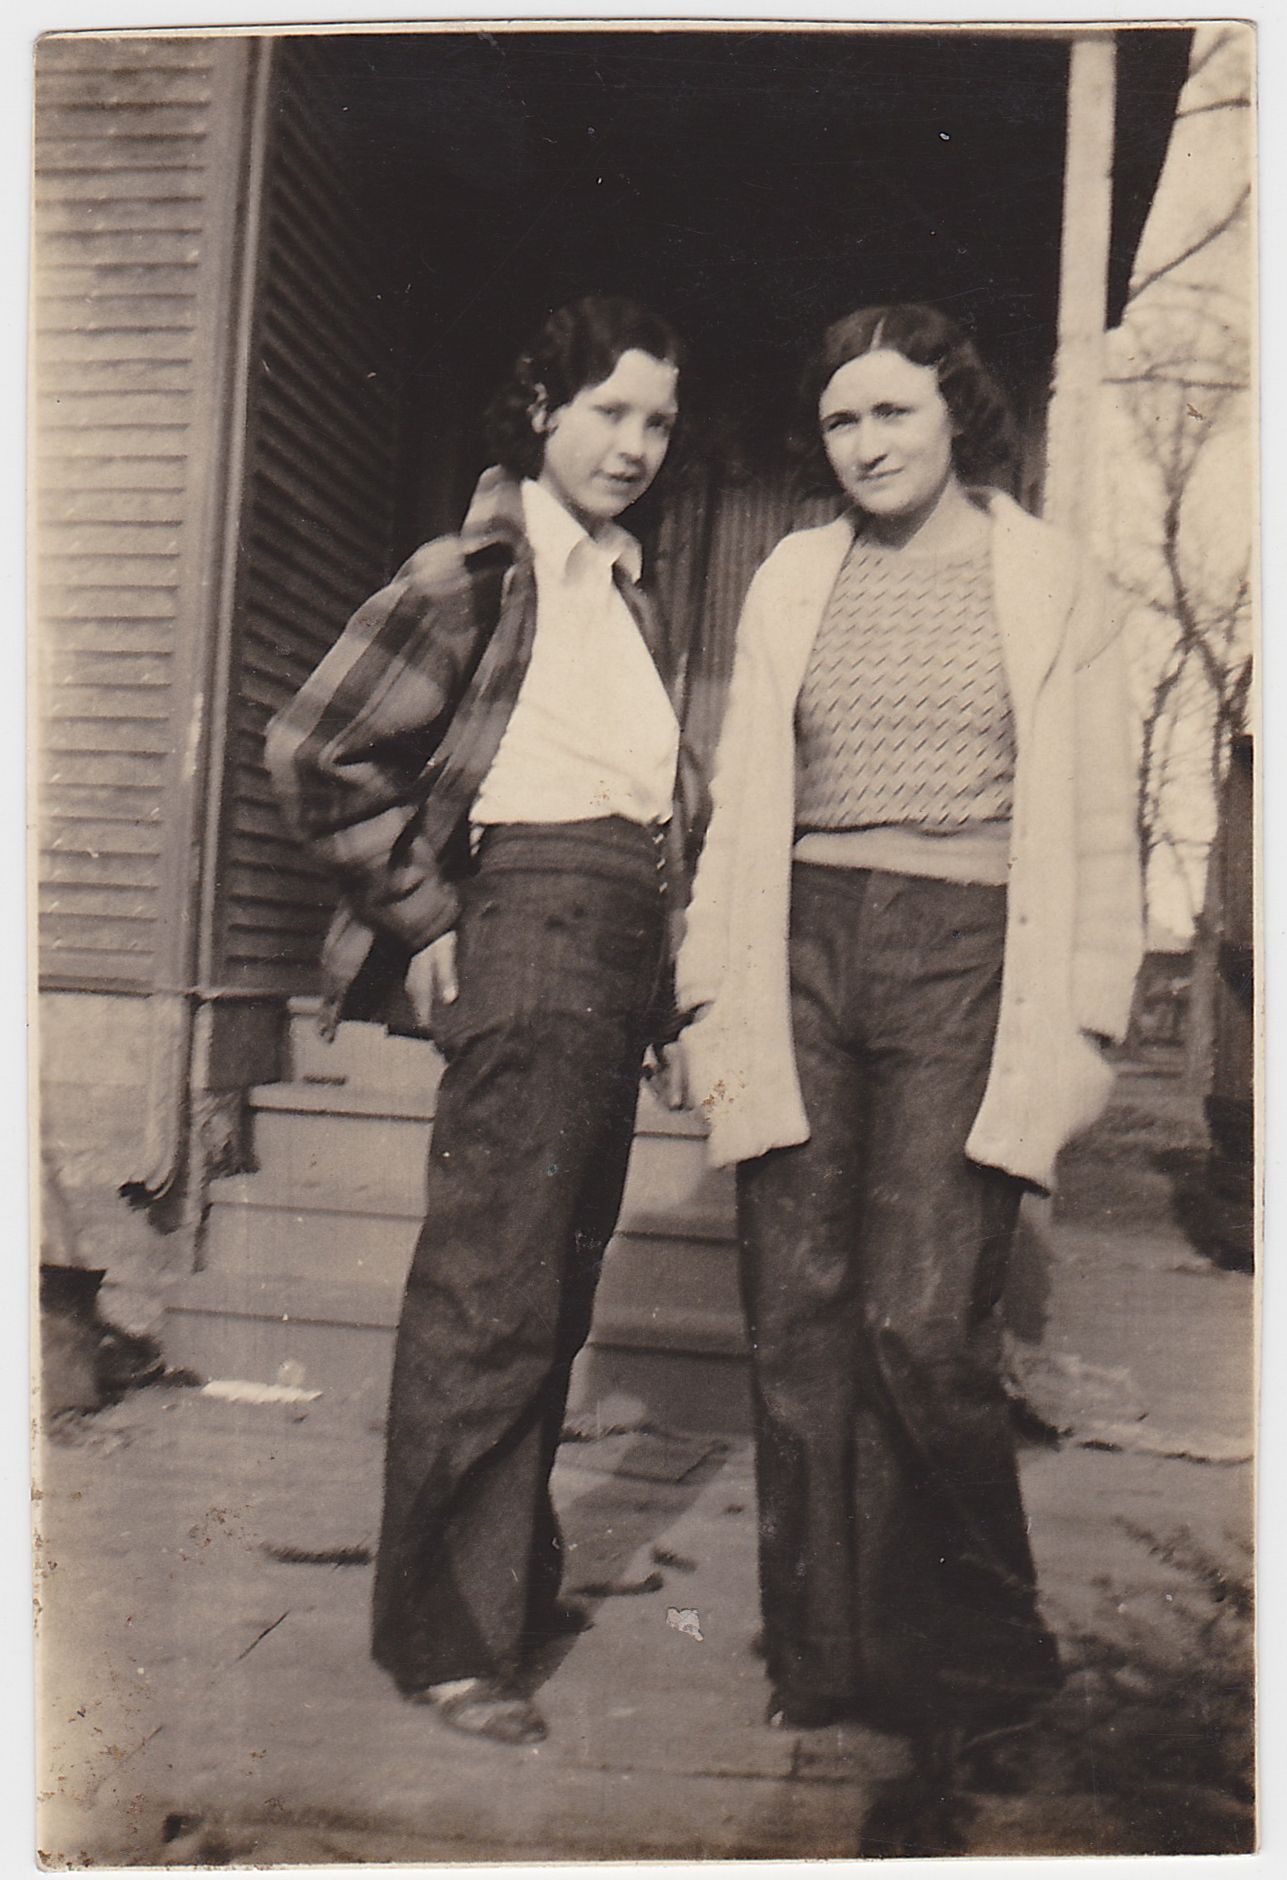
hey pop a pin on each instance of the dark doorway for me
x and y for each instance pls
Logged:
(430, 196)
(752, 185)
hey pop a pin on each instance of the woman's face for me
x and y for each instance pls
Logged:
(887, 433)
(605, 446)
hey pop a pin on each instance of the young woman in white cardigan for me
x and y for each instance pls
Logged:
(915, 924)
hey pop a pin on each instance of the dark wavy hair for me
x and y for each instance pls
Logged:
(985, 444)
(579, 345)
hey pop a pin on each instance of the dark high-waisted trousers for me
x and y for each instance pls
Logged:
(558, 952)
(896, 1575)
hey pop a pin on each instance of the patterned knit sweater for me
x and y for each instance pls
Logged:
(904, 714)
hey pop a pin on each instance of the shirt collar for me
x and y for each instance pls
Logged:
(556, 536)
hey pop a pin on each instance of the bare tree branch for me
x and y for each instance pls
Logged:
(1142, 597)
(1198, 62)
(1181, 379)
(1204, 240)
(1147, 783)
(1217, 104)
(1186, 384)
(1178, 846)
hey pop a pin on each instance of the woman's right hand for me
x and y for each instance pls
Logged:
(431, 977)
(669, 1072)
(667, 1075)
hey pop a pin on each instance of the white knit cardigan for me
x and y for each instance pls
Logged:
(1074, 923)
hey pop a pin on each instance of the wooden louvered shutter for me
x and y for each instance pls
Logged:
(138, 147)
(316, 520)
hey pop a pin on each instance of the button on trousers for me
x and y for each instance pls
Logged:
(896, 1575)
(559, 948)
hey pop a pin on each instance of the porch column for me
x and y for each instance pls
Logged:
(1073, 484)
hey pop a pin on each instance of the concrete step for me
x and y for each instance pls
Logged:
(359, 1054)
(709, 1217)
(678, 1366)
(256, 1224)
(645, 1266)
(695, 1203)
(346, 1141)
(305, 1260)
(366, 1057)
(292, 1242)
(337, 1338)
(341, 1096)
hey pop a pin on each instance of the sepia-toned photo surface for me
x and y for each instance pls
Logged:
(644, 761)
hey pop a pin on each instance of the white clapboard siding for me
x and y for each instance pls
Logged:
(135, 151)
(317, 503)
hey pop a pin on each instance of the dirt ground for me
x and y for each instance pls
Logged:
(207, 1698)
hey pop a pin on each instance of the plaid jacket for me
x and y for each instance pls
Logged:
(378, 758)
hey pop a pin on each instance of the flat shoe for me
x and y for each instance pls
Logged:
(487, 1710)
